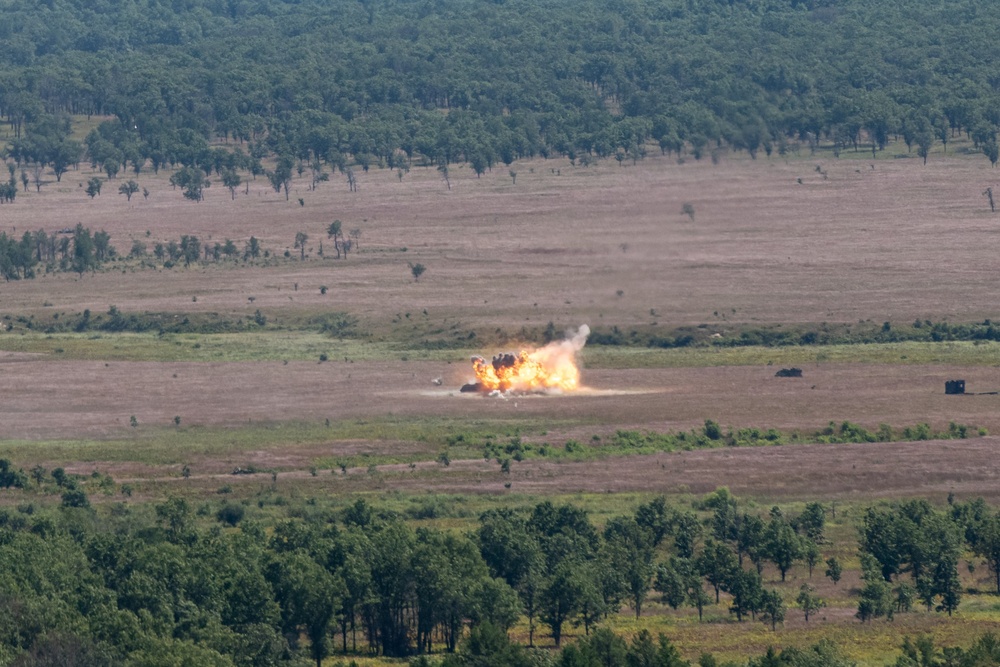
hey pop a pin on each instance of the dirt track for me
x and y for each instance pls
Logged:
(44, 398)
(930, 469)
(968, 468)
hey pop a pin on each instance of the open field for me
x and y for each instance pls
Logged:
(897, 242)
(889, 240)
(46, 398)
(883, 241)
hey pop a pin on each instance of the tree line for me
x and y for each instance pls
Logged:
(223, 587)
(80, 250)
(76, 249)
(357, 84)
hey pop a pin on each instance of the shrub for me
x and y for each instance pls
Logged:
(230, 514)
(75, 498)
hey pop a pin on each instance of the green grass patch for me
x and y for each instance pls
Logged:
(193, 347)
(308, 345)
(165, 446)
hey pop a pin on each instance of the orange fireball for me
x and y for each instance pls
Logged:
(551, 367)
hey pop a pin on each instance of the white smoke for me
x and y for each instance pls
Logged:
(561, 354)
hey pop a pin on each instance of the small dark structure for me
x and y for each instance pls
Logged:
(954, 387)
(789, 373)
(500, 363)
(504, 360)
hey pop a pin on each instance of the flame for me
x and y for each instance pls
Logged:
(550, 367)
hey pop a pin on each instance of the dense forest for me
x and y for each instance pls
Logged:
(237, 583)
(384, 82)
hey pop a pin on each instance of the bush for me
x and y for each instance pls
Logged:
(230, 514)
(75, 498)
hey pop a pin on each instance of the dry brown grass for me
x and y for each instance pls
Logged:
(45, 398)
(892, 243)
(897, 242)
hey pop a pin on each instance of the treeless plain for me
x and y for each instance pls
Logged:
(802, 240)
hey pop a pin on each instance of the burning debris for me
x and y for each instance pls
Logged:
(552, 367)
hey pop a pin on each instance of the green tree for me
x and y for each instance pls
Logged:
(417, 270)
(308, 596)
(281, 177)
(747, 593)
(111, 167)
(782, 545)
(808, 602)
(772, 608)
(905, 595)
(128, 189)
(495, 602)
(192, 182)
(231, 180)
(987, 544)
(925, 140)
(560, 599)
(686, 530)
(592, 605)
(876, 594)
(301, 238)
(83, 250)
(653, 518)
(812, 521)
(252, 250)
(717, 564)
(947, 585)
(833, 569)
(750, 539)
(175, 516)
(75, 498)
(335, 231)
(811, 554)
(94, 187)
(671, 582)
(632, 556)
(486, 646)
(392, 578)
(354, 554)
(991, 151)
(64, 154)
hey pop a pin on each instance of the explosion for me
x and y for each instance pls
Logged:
(550, 367)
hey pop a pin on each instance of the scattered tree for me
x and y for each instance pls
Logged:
(808, 602)
(772, 608)
(833, 569)
(231, 180)
(128, 189)
(334, 231)
(94, 187)
(281, 177)
(301, 238)
(417, 270)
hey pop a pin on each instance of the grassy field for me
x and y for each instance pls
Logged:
(369, 411)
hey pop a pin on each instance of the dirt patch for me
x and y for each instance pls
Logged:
(931, 469)
(967, 468)
(42, 398)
